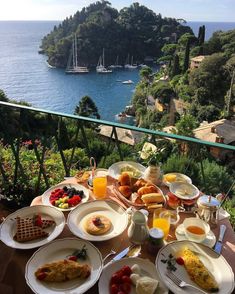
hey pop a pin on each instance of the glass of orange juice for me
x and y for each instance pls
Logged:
(161, 222)
(100, 184)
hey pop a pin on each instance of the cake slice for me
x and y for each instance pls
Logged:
(27, 231)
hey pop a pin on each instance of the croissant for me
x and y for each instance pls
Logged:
(139, 184)
(124, 179)
(147, 190)
(125, 190)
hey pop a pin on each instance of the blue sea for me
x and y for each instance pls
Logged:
(24, 74)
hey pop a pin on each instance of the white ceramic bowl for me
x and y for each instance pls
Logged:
(194, 223)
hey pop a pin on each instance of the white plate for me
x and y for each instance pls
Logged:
(147, 269)
(115, 169)
(47, 193)
(108, 208)
(177, 187)
(8, 227)
(181, 178)
(57, 250)
(217, 265)
(209, 241)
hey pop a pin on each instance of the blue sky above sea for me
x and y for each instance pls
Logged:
(190, 10)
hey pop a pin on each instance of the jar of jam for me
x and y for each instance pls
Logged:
(155, 240)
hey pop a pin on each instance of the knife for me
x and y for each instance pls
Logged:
(218, 245)
(120, 255)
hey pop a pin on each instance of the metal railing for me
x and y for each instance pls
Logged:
(19, 123)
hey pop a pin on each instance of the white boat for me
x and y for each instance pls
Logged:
(116, 65)
(101, 65)
(50, 66)
(128, 82)
(74, 68)
(142, 65)
(129, 65)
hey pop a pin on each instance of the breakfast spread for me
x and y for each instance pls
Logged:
(28, 229)
(97, 225)
(62, 271)
(66, 198)
(197, 271)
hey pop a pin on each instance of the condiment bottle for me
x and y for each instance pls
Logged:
(155, 240)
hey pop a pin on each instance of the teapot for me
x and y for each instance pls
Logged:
(208, 209)
(138, 230)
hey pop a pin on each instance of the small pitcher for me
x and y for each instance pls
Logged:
(138, 230)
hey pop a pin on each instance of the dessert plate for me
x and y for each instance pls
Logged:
(184, 191)
(8, 227)
(107, 208)
(175, 177)
(217, 265)
(147, 269)
(135, 169)
(46, 195)
(57, 250)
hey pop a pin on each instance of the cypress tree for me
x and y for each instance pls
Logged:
(176, 66)
(186, 56)
(201, 35)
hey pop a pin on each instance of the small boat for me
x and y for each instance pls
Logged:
(101, 66)
(75, 68)
(128, 82)
(50, 66)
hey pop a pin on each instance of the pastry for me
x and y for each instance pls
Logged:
(152, 198)
(27, 231)
(125, 190)
(147, 190)
(124, 179)
(62, 270)
(97, 225)
(139, 184)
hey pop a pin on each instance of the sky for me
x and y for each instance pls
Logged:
(190, 10)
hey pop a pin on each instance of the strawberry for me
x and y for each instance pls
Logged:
(38, 220)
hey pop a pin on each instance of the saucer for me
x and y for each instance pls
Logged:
(209, 241)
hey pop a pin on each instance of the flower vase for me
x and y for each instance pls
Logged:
(153, 174)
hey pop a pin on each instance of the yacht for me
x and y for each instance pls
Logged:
(100, 68)
(129, 65)
(73, 58)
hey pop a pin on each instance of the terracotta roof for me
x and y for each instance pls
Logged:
(223, 128)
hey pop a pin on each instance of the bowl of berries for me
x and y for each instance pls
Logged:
(65, 197)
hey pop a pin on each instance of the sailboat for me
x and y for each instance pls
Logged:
(74, 68)
(116, 65)
(101, 65)
(129, 65)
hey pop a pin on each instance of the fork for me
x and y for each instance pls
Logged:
(181, 283)
(112, 252)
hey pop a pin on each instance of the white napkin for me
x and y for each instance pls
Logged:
(223, 214)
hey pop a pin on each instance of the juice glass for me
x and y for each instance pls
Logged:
(100, 185)
(161, 222)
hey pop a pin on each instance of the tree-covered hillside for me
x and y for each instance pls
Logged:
(136, 30)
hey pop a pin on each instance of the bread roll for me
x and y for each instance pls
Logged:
(147, 190)
(152, 198)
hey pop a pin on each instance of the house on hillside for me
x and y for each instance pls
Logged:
(220, 131)
(196, 61)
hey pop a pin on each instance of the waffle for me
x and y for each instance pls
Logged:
(27, 231)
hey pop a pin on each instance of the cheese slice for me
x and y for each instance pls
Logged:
(146, 285)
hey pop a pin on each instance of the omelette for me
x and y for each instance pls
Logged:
(198, 272)
(62, 270)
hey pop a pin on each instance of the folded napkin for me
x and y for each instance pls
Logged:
(223, 214)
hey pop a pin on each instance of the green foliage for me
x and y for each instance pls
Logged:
(176, 66)
(217, 178)
(229, 206)
(186, 125)
(134, 29)
(186, 56)
(145, 73)
(87, 107)
(182, 164)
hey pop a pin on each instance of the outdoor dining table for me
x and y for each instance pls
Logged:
(13, 261)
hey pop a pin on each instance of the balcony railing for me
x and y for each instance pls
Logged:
(46, 132)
